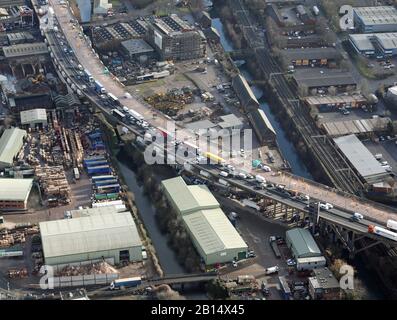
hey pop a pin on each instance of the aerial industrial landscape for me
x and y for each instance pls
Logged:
(198, 150)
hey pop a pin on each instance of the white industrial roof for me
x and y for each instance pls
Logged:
(230, 120)
(362, 41)
(213, 231)
(10, 144)
(91, 211)
(25, 49)
(387, 40)
(377, 15)
(99, 232)
(203, 216)
(266, 120)
(15, 189)
(33, 116)
(359, 156)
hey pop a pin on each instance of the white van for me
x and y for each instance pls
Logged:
(223, 174)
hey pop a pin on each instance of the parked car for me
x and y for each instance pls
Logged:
(272, 270)
(291, 262)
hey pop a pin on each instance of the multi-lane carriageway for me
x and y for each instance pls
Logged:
(345, 204)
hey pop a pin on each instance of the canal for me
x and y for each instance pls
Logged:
(363, 277)
(147, 212)
(287, 148)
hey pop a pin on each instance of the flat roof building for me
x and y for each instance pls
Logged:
(230, 121)
(324, 285)
(11, 143)
(213, 235)
(302, 244)
(362, 127)
(78, 213)
(93, 237)
(34, 117)
(375, 19)
(311, 56)
(14, 193)
(361, 158)
(137, 49)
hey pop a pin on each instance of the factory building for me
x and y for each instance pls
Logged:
(175, 39)
(212, 234)
(11, 143)
(137, 49)
(362, 160)
(302, 244)
(25, 49)
(375, 19)
(14, 194)
(324, 79)
(92, 237)
(244, 93)
(375, 44)
(78, 213)
(315, 57)
(102, 6)
(34, 117)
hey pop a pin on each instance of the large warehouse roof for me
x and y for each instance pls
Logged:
(189, 198)
(360, 157)
(303, 243)
(377, 15)
(311, 53)
(15, 189)
(324, 78)
(91, 212)
(363, 41)
(10, 144)
(203, 216)
(94, 233)
(244, 91)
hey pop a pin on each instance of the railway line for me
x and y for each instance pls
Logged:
(333, 164)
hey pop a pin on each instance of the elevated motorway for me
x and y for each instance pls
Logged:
(67, 63)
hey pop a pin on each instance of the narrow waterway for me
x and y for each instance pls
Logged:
(364, 277)
(286, 147)
(147, 213)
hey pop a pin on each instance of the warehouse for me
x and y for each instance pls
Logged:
(14, 194)
(104, 235)
(379, 44)
(302, 244)
(78, 213)
(25, 49)
(313, 79)
(34, 117)
(361, 127)
(244, 93)
(213, 235)
(375, 19)
(262, 127)
(137, 49)
(11, 143)
(311, 56)
(332, 103)
(361, 158)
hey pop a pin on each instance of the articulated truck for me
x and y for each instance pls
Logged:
(125, 283)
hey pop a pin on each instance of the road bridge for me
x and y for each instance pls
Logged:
(67, 66)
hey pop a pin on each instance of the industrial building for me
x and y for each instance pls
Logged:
(362, 160)
(231, 122)
(175, 39)
(14, 194)
(244, 93)
(11, 143)
(25, 49)
(262, 127)
(315, 57)
(375, 19)
(332, 103)
(19, 37)
(323, 285)
(137, 49)
(213, 235)
(78, 213)
(34, 117)
(97, 236)
(302, 244)
(375, 44)
(314, 79)
(361, 127)
(102, 7)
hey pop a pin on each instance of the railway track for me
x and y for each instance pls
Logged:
(333, 163)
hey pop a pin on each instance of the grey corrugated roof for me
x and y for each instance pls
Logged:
(311, 53)
(25, 49)
(303, 242)
(377, 15)
(314, 78)
(359, 156)
(100, 232)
